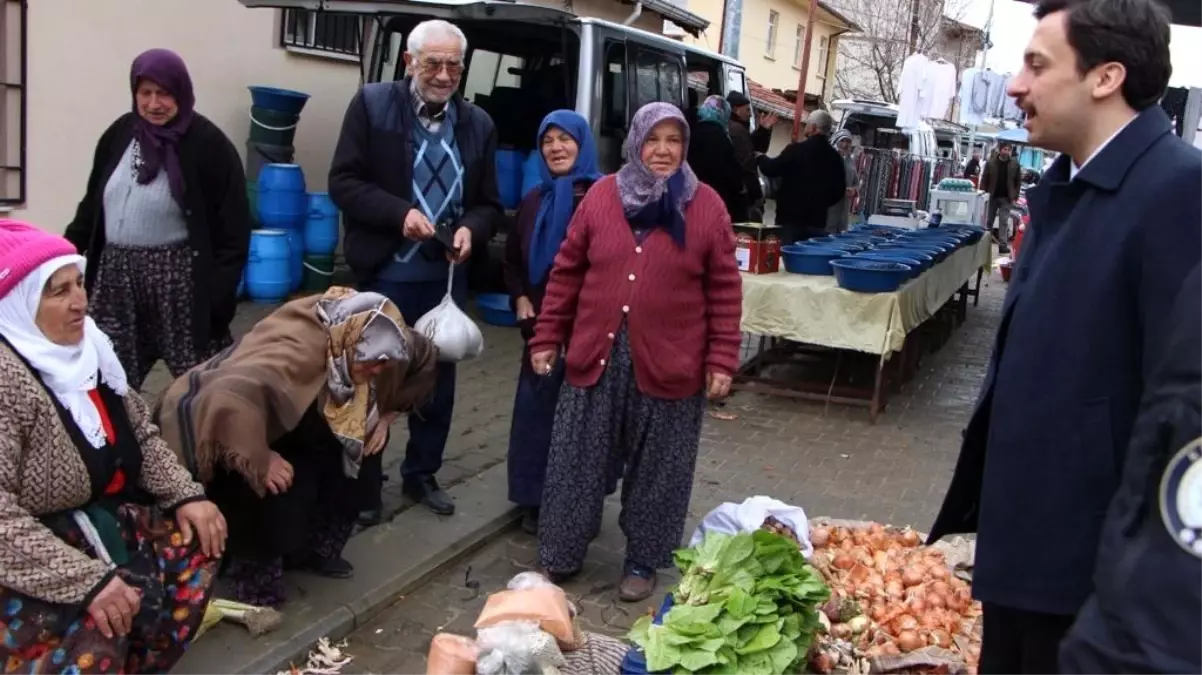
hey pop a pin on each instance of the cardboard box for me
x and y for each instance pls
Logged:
(757, 248)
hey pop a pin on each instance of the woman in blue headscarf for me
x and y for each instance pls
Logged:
(568, 169)
(712, 156)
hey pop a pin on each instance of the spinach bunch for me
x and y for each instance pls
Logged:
(746, 603)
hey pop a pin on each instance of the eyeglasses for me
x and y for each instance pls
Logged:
(435, 66)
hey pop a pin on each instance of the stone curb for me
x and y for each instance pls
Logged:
(390, 560)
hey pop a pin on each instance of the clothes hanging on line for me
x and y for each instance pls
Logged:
(926, 90)
(887, 175)
(983, 96)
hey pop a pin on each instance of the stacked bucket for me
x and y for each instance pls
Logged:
(294, 247)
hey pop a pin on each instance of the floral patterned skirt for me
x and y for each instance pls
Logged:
(175, 580)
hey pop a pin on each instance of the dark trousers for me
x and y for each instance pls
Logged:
(792, 233)
(1018, 641)
(999, 208)
(429, 426)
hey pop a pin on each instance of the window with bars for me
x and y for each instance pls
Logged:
(327, 32)
(13, 48)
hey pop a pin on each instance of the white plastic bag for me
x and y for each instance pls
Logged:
(517, 648)
(731, 518)
(457, 337)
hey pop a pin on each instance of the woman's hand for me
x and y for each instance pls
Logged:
(379, 435)
(717, 385)
(543, 362)
(279, 474)
(524, 308)
(204, 520)
(114, 607)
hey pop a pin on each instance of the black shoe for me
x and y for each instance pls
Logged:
(428, 494)
(1003, 248)
(530, 521)
(334, 568)
(371, 517)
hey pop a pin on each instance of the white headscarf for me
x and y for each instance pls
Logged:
(69, 372)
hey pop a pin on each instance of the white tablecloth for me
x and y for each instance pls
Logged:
(814, 310)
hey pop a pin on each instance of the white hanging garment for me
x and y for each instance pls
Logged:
(942, 82)
(914, 91)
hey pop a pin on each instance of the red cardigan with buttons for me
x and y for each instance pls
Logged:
(682, 306)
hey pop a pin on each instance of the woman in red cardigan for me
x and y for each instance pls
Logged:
(646, 297)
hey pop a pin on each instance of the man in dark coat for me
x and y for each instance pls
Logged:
(747, 143)
(1145, 615)
(1001, 180)
(414, 173)
(812, 179)
(1115, 228)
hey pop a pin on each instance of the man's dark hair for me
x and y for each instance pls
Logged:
(1004, 146)
(1134, 33)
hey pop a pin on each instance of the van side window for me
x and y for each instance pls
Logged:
(657, 78)
(488, 71)
(613, 87)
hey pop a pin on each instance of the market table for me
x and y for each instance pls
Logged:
(814, 310)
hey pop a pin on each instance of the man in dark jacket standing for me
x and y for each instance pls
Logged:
(1115, 228)
(812, 179)
(1145, 615)
(415, 176)
(1001, 181)
(747, 143)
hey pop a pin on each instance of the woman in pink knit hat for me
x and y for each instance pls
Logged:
(91, 578)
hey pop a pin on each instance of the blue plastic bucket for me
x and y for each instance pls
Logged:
(296, 259)
(509, 177)
(321, 228)
(283, 202)
(530, 173)
(268, 266)
(281, 100)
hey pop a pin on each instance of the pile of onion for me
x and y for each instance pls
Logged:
(906, 589)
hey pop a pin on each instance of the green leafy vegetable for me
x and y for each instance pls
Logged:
(746, 603)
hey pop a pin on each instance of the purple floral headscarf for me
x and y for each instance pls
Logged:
(160, 145)
(637, 185)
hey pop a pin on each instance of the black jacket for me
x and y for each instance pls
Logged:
(993, 173)
(215, 209)
(812, 179)
(1145, 615)
(371, 175)
(712, 157)
(747, 143)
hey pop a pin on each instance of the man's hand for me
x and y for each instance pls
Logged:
(203, 520)
(379, 435)
(524, 308)
(279, 474)
(417, 226)
(543, 362)
(463, 246)
(114, 607)
(768, 119)
(717, 385)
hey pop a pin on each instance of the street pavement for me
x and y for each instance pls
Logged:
(830, 460)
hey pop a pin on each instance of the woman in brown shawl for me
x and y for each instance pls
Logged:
(277, 426)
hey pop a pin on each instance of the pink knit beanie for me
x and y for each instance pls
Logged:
(23, 248)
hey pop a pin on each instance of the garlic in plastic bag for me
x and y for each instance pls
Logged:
(457, 337)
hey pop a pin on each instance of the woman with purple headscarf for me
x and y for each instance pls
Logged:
(646, 297)
(165, 225)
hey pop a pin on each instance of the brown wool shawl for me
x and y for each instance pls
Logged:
(230, 409)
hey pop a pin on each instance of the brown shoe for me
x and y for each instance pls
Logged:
(637, 585)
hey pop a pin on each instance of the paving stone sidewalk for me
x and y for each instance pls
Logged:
(830, 461)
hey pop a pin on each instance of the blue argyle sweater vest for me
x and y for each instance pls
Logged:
(438, 192)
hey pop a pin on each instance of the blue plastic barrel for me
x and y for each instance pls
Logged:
(530, 173)
(296, 259)
(268, 266)
(509, 177)
(283, 202)
(321, 228)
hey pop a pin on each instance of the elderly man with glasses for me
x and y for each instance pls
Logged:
(414, 174)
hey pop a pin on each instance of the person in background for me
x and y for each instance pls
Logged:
(747, 143)
(108, 547)
(973, 168)
(1088, 308)
(646, 297)
(568, 169)
(414, 173)
(278, 427)
(1001, 180)
(165, 225)
(839, 214)
(712, 156)
(812, 179)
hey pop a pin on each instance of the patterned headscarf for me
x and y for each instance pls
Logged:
(363, 327)
(716, 110)
(640, 189)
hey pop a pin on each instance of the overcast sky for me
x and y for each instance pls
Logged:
(1013, 24)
